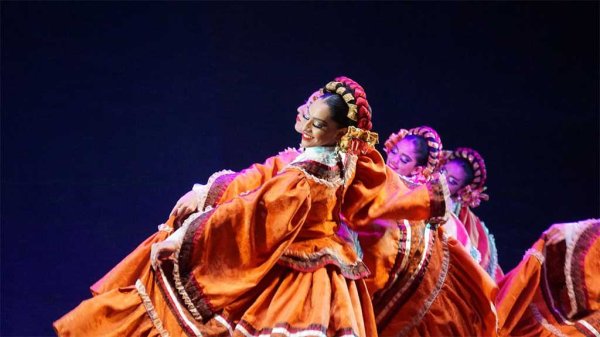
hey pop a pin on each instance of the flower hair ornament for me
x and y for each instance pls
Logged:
(359, 139)
(434, 148)
(472, 194)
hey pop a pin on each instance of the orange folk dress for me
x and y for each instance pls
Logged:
(425, 283)
(555, 290)
(267, 262)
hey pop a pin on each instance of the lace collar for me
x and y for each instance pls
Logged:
(326, 155)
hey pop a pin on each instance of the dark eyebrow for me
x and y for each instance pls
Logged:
(320, 120)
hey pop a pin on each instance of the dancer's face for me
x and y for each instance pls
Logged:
(455, 175)
(302, 115)
(320, 129)
(402, 158)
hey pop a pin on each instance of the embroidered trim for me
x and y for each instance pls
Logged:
(538, 317)
(571, 238)
(310, 176)
(584, 242)
(547, 294)
(181, 290)
(192, 217)
(309, 262)
(535, 253)
(312, 330)
(415, 275)
(435, 292)
(589, 327)
(329, 173)
(175, 306)
(217, 189)
(203, 194)
(401, 257)
(150, 309)
(439, 196)
(183, 278)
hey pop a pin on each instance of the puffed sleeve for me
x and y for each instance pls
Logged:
(228, 250)
(376, 192)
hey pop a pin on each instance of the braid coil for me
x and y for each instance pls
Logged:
(434, 146)
(472, 194)
(358, 139)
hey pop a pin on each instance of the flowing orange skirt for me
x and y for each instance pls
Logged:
(449, 295)
(321, 303)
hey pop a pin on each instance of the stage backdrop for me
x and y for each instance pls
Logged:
(112, 110)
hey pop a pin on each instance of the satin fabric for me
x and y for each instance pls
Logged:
(426, 284)
(225, 186)
(555, 289)
(265, 262)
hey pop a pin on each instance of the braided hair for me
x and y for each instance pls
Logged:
(427, 142)
(364, 112)
(476, 172)
(356, 115)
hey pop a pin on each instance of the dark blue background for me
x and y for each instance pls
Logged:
(110, 111)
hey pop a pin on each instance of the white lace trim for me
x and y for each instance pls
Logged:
(177, 305)
(323, 154)
(535, 253)
(572, 234)
(290, 150)
(202, 190)
(328, 156)
(150, 309)
(177, 277)
(181, 290)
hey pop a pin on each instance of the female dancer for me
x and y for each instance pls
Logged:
(415, 155)
(268, 261)
(222, 186)
(423, 282)
(467, 175)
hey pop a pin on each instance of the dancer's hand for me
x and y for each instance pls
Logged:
(162, 251)
(185, 206)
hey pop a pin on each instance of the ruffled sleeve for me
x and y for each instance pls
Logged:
(376, 192)
(228, 250)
